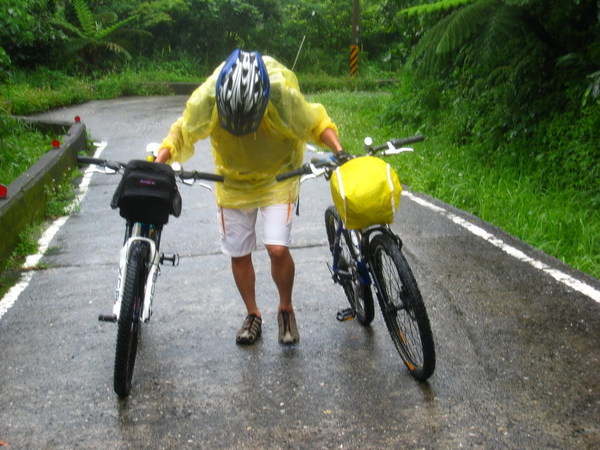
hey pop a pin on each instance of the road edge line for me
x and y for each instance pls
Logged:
(558, 275)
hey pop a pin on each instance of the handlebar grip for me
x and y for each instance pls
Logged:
(408, 140)
(325, 162)
(213, 177)
(304, 169)
(113, 165)
(90, 160)
(195, 175)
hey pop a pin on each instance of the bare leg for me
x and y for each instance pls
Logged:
(282, 271)
(245, 280)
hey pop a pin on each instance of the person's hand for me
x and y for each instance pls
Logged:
(343, 157)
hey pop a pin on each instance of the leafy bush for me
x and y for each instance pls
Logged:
(4, 65)
(20, 147)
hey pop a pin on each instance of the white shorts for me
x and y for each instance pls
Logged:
(238, 228)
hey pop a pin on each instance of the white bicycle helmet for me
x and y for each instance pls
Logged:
(242, 92)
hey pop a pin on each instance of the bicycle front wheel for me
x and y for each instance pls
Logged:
(358, 293)
(129, 325)
(402, 307)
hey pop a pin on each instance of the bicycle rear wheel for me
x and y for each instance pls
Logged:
(359, 294)
(129, 325)
(402, 307)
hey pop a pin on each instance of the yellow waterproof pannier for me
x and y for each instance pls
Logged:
(366, 191)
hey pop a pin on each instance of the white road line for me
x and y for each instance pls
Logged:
(31, 261)
(561, 277)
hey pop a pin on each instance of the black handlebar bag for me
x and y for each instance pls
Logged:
(147, 193)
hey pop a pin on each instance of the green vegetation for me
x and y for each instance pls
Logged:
(507, 91)
(62, 195)
(94, 35)
(47, 89)
(21, 146)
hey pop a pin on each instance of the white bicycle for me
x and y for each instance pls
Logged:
(146, 196)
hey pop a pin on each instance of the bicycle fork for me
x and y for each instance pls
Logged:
(154, 259)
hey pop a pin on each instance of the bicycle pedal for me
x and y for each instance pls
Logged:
(173, 259)
(345, 314)
(107, 318)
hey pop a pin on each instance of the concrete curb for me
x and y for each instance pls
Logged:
(27, 196)
(183, 88)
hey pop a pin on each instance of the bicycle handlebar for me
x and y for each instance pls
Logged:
(398, 142)
(183, 175)
(332, 163)
(306, 169)
(195, 175)
(114, 165)
(302, 170)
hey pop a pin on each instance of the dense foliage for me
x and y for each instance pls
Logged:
(31, 144)
(517, 81)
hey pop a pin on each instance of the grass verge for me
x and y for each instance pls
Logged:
(20, 147)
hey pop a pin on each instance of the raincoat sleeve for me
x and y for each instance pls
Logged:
(196, 123)
(305, 120)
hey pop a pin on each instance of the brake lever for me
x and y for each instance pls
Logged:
(315, 172)
(103, 169)
(395, 151)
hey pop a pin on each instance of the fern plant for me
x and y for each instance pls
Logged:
(499, 34)
(479, 27)
(435, 7)
(93, 35)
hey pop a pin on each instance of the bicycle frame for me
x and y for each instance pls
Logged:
(358, 251)
(360, 242)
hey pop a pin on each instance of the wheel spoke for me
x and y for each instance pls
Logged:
(402, 307)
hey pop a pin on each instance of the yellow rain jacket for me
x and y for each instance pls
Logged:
(250, 163)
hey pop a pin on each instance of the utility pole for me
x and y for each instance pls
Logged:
(354, 46)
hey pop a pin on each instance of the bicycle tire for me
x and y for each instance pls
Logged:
(358, 294)
(129, 324)
(402, 307)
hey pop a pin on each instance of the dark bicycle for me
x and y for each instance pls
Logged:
(146, 196)
(372, 257)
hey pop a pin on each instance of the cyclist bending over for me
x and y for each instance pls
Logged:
(258, 123)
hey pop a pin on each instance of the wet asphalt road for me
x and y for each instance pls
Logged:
(518, 352)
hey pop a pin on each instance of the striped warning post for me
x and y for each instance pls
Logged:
(353, 59)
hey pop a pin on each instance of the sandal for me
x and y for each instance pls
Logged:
(288, 331)
(250, 330)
